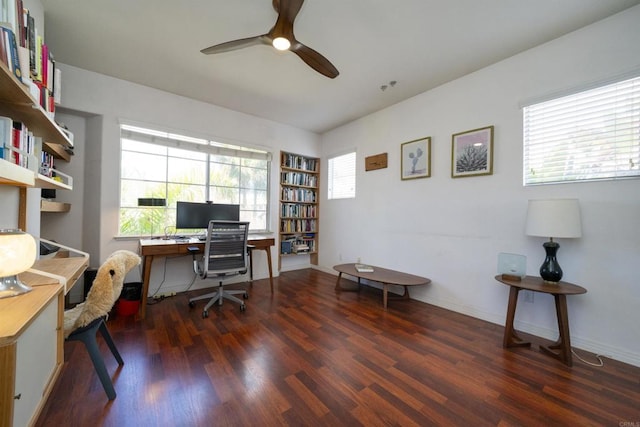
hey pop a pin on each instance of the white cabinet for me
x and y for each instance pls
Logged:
(31, 351)
(36, 364)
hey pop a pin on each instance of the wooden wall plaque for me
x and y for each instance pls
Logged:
(379, 161)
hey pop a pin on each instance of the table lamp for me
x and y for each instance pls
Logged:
(17, 254)
(559, 218)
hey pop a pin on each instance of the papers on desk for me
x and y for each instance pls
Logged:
(363, 268)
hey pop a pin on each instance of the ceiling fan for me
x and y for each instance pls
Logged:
(281, 37)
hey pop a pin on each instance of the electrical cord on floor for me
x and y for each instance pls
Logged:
(598, 356)
(152, 299)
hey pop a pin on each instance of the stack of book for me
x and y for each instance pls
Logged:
(26, 55)
(18, 145)
(300, 248)
(364, 268)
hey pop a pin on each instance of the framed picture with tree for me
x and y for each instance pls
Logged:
(416, 158)
(472, 153)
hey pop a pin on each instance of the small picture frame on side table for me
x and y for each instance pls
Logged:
(472, 153)
(415, 159)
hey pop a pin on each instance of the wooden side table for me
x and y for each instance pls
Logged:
(561, 349)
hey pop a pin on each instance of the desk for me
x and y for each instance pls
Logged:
(381, 275)
(150, 248)
(561, 349)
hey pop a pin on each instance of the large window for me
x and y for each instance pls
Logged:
(342, 176)
(180, 168)
(591, 135)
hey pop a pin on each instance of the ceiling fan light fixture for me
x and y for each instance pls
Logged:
(281, 43)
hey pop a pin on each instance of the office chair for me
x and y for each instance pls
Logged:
(225, 256)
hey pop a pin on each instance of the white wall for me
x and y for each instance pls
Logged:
(102, 103)
(451, 230)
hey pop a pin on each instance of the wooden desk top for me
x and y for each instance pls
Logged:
(17, 313)
(69, 268)
(179, 246)
(536, 284)
(383, 275)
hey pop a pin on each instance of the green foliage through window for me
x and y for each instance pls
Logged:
(179, 168)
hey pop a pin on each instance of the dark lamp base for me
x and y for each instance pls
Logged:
(550, 270)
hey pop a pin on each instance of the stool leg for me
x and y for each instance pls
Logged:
(90, 342)
(107, 337)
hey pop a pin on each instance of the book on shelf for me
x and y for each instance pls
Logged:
(10, 51)
(364, 268)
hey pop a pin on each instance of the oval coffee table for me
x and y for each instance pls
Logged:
(381, 275)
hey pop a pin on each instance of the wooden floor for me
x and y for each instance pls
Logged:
(308, 356)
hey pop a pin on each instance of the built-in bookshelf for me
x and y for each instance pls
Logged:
(18, 104)
(299, 206)
(31, 324)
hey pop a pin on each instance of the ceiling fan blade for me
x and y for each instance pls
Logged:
(314, 60)
(237, 44)
(287, 12)
(289, 9)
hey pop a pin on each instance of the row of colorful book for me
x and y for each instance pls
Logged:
(18, 145)
(26, 55)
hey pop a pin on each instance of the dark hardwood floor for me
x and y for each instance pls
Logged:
(308, 356)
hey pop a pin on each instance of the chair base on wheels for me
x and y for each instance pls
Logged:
(218, 296)
(87, 335)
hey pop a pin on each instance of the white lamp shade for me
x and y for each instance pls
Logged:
(559, 218)
(17, 252)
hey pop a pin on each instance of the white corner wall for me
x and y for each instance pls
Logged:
(451, 230)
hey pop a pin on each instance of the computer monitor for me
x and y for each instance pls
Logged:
(197, 215)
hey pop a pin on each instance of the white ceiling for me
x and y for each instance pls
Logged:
(419, 43)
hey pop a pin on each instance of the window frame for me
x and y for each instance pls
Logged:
(211, 152)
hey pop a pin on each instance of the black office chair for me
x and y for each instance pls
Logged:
(225, 256)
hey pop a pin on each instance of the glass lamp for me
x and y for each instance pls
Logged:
(559, 218)
(17, 254)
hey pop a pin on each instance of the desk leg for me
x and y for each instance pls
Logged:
(268, 249)
(563, 345)
(146, 275)
(251, 265)
(511, 339)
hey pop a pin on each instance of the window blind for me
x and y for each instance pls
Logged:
(591, 135)
(193, 144)
(342, 176)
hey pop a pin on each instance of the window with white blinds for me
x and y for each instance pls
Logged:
(342, 176)
(591, 135)
(172, 167)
